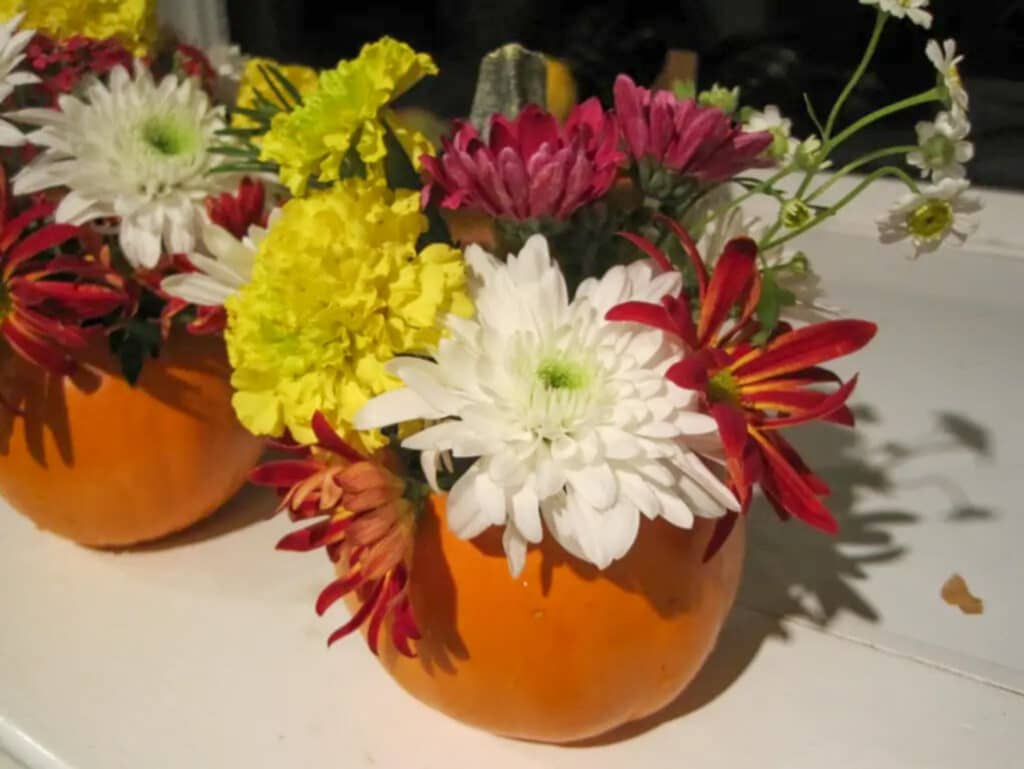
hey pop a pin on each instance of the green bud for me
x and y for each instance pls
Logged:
(796, 213)
(726, 99)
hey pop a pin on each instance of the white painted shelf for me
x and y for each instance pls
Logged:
(205, 653)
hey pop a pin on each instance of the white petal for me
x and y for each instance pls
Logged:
(196, 288)
(392, 408)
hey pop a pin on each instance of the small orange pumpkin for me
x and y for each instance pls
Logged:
(565, 651)
(103, 463)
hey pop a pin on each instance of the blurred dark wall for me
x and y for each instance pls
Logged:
(777, 50)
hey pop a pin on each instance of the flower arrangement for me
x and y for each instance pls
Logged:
(111, 207)
(620, 350)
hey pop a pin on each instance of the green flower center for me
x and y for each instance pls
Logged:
(723, 388)
(939, 151)
(931, 219)
(562, 375)
(5, 302)
(168, 136)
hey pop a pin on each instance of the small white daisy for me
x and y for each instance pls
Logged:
(575, 425)
(915, 10)
(783, 147)
(947, 62)
(224, 267)
(939, 211)
(943, 147)
(130, 149)
(12, 47)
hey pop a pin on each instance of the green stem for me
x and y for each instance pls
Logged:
(853, 166)
(865, 62)
(930, 95)
(760, 187)
(833, 210)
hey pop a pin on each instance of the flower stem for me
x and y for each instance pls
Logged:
(838, 206)
(930, 95)
(861, 161)
(865, 62)
(760, 187)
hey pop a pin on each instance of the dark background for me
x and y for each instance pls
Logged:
(777, 50)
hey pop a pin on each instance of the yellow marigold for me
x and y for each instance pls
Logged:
(338, 289)
(133, 22)
(349, 108)
(303, 78)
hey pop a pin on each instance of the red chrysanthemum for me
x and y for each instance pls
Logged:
(530, 167)
(239, 211)
(752, 392)
(46, 298)
(192, 62)
(367, 528)
(684, 137)
(61, 64)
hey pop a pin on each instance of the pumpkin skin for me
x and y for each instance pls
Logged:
(565, 651)
(103, 463)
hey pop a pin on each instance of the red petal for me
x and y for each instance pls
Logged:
(679, 308)
(357, 619)
(793, 493)
(732, 427)
(37, 351)
(284, 473)
(39, 241)
(691, 251)
(14, 227)
(723, 528)
(337, 590)
(824, 408)
(691, 373)
(656, 254)
(804, 347)
(328, 439)
(653, 315)
(733, 276)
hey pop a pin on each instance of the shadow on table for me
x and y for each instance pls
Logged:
(249, 506)
(795, 572)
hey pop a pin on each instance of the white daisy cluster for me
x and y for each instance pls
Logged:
(944, 208)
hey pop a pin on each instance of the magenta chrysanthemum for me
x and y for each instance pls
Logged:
(531, 167)
(684, 137)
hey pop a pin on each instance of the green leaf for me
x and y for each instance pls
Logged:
(133, 344)
(235, 151)
(769, 306)
(282, 100)
(245, 168)
(284, 83)
(814, 115)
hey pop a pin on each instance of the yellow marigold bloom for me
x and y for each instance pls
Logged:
(338, 289)
(133, 22)
(303, 78)
(349, 108)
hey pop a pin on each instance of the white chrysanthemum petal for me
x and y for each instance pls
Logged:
(401, 405)
(135, 148)
(515, 549)
(575, 424)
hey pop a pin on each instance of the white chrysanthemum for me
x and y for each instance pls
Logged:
(570, 415)
(791, 271)
(228, 63)
(12, 46)
(947, 62)
(929, 217)
(784, 145)
(943, 147)
(915, 10)
(131, 149)
(224, 268)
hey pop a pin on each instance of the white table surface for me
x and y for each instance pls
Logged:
(206, 653)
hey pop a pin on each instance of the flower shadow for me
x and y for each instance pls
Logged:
(796, 573)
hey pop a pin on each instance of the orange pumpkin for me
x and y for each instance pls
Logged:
(565, 651)
(103, 463)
